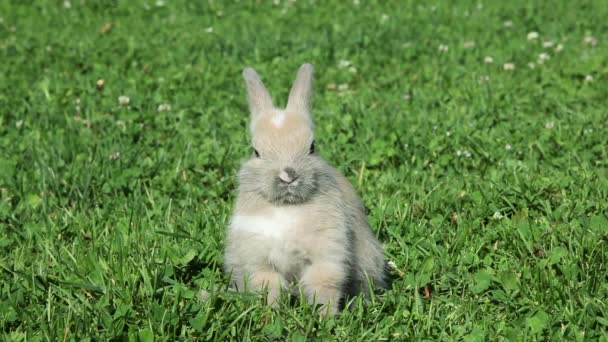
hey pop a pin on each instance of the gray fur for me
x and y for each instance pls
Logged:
(297, 222)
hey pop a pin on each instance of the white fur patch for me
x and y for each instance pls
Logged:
(273, 225)
(278, 119)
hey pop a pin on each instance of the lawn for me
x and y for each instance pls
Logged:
(476, 133)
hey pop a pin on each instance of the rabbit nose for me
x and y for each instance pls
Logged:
(288, 175)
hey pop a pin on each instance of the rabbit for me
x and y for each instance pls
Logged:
(297, 222)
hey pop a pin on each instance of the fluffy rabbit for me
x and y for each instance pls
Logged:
(297, 222)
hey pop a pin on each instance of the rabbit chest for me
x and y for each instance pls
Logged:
(281, 237)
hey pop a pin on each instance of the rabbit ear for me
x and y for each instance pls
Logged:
(301, 91)
(259, 98)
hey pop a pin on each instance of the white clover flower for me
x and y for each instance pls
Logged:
(384, 17)
(343, 64)
(67, 4)
(549, 125)
(124, 100)
(443, 48)
(352, 70)
(114, 155)
(459, 153)
(468, 44)
(533, 35)
(164, 107)
(508, 66)
(407, 96)
(590, 40)
(559, 48)
(488, 60)
(508, 147)
(497, 215)
(100, 84)
(507, 24)
(543, 57)
(467, 154)
(548, 44)
(531, 65)
(448, 133)
(343, 87)
(209, 29)
(588, 78)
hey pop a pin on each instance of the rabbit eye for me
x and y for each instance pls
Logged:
(312, 148)
(257, 154)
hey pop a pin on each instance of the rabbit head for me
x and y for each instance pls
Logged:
(284, 168)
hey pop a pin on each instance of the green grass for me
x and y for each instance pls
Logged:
(488, 187)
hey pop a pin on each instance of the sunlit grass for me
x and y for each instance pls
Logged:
(475, 133)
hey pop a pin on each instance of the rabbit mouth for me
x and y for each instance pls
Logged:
(290, 193)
